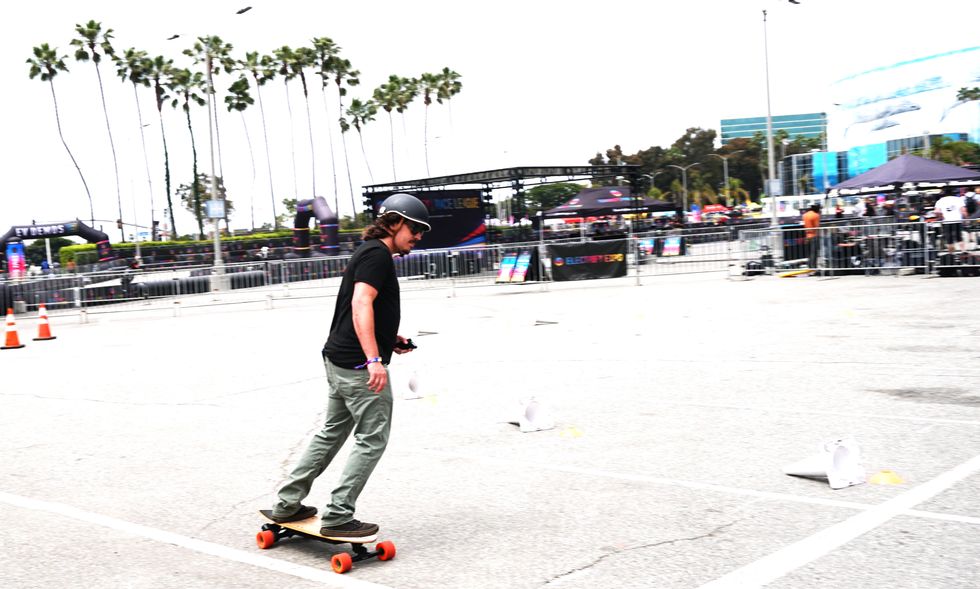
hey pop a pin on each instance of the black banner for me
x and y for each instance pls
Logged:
(456, 217)
(585, 261)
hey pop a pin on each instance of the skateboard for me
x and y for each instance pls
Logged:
(341, 562)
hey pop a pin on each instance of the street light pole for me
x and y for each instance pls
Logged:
(724, 161)
(218, 262)
(769, 150)
(683, 170)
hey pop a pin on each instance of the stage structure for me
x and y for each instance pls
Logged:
(457, 203)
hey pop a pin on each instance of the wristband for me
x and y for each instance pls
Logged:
(369, 361)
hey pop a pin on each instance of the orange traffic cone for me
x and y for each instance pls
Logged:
(43, 328)
(12, 341)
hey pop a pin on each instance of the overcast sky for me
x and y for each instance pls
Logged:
(544, 83)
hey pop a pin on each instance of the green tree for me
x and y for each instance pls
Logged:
(134, 66)
(159, 72)
(262, 68)
(360, 113)
(386, 96)
(344, 75)
(46, 63)
(284, 61)
(239, 99)
(325, 50)
(429, 85)
(968, 94)
(549, 196)
(37, 251)
(92, 43)
(186, 88)
(288, 218)
(215, 55)
(449, 85)
(304, 57)
(190, 197)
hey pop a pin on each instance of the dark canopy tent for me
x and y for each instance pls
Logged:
(608, 200)
(906, 171)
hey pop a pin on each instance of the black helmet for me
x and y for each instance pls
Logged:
(406, 206)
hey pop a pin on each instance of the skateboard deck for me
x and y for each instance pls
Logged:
(341, 562)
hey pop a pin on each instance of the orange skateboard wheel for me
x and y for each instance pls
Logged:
(265, 539)
(341, 562)
(386, 550)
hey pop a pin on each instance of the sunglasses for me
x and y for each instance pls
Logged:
(415, 227)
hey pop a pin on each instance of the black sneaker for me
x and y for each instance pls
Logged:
(352, 530)
(304, 512)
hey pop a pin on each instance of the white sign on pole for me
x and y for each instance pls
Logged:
(214, 209)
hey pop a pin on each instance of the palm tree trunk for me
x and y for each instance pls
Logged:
(391, 127)
(57, 118)
(425, 135)
(268, 158)
(146, 161)
(333, 162)
(112, 146)
(166, 176)
(251, 156)
(217, 141)
(343, 138)
(194, 187)
(360, 137)
(292, 140)
(309, 129)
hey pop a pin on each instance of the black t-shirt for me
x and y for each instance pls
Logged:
(371, 264)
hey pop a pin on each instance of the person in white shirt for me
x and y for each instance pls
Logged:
(953, 211)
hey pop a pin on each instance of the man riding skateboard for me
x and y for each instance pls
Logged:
(363, 335)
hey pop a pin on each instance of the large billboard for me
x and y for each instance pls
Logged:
(456, 217)
(907, 99)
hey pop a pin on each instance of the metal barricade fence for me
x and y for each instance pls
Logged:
(684, 252)
(855, 247)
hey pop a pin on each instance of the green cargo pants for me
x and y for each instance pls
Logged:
(351, 406)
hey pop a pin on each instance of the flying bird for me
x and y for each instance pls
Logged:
(794, 1)
(243, 10)
(172, 37)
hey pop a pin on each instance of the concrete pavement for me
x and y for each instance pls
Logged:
(137, 448)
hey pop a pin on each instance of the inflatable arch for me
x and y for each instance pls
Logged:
(326, 219)
(76, 227)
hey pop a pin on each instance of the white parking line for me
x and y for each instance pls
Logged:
(326, 577)
(642, 478)
(786, 560)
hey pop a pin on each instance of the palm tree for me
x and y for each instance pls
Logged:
(239, 99)
(47, 63)
(429, 85)
(92, 43)
(303, 58)
(186, 87)
(209, 50)
(407, 91)
(262, 70)
(133, 66)
(325, 50)
(344, 74)
(449, 86)
(284, 55)
(159, 71)
(386, 96)
(360, 114)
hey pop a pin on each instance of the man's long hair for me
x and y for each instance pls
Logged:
(383, 226)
